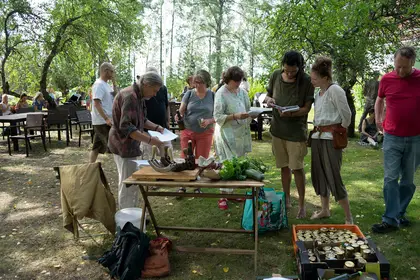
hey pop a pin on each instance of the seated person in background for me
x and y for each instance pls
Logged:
(39, 102)
(370, 133)
(5, 106)
(23, 102)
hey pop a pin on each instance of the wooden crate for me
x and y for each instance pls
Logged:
(352, 228)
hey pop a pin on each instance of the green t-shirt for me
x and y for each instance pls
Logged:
(288, 94)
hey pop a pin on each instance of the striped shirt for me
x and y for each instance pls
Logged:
(331, 108)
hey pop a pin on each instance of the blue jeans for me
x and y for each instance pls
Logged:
(401, 157)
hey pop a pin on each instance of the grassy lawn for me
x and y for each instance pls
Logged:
(33, 241)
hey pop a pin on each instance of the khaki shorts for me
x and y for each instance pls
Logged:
(289, 154)
(100, 138)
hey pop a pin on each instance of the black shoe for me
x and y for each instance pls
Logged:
(383, 228)
(404, 222)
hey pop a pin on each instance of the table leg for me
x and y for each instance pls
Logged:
(255, 192)
(13, 132)
(149, 208)
(143, 216)
(59, 132)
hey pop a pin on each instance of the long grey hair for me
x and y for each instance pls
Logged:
(150, 78)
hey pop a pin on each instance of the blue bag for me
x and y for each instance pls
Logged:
(272, 214)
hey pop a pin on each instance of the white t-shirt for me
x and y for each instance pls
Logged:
(102, 91)
(4, 106)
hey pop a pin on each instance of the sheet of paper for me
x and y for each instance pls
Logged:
(167, 135)
(141, 163)
(254, 112)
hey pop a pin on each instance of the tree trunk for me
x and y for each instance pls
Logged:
(3, 74)
(219, 41)
(350, 100)
(370, 92)
(7, 51)
(251, 59)
(161, 39)
(172, 38)
(210, 54)
(56, 49)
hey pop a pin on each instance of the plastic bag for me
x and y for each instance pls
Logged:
(272, 214)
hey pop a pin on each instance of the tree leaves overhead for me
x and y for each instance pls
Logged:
(355, 34)
(72, 39)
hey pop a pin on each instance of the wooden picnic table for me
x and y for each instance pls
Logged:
(203, 183)
(13, 119)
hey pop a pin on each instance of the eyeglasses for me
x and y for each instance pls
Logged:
(198, 82)
(291, 72)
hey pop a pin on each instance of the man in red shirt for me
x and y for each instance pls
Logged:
(401, 126)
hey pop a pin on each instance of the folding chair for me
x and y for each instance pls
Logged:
(75, 181)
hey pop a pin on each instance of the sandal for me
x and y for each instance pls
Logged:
(181, 190)
(222, 203)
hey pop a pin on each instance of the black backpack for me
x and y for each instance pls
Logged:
(126, 258)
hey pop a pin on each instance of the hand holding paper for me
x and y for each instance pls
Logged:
(167, 135)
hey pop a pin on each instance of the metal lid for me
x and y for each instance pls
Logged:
(364, 247)
(349, 264)
(361, 260)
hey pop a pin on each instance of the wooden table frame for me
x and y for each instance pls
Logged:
(203, 183)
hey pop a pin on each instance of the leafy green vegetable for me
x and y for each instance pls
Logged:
(228, 170)
(235, 169)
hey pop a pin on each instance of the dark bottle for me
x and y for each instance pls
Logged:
(347, 276)
(180, 120)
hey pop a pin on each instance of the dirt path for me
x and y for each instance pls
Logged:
(33, 243)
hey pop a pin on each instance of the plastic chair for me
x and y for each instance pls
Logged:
(34, 122)
(58, 121)
(84, 120)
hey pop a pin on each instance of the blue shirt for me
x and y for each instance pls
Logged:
(38, 105)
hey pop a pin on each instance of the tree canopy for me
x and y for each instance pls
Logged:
(62, 42)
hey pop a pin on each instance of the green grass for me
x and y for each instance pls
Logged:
(30, 213)
(362, 174)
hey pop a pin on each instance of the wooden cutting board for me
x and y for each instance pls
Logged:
(149, 174)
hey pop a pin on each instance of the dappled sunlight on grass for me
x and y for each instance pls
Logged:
(22, 215)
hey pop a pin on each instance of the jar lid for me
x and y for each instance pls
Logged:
(349, 264)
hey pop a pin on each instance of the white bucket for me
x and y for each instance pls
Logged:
(132, 215)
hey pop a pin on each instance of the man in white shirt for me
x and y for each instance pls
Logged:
(103, 97)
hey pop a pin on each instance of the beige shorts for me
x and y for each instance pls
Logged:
(289, 153)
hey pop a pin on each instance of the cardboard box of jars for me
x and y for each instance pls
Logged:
(343, 248)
